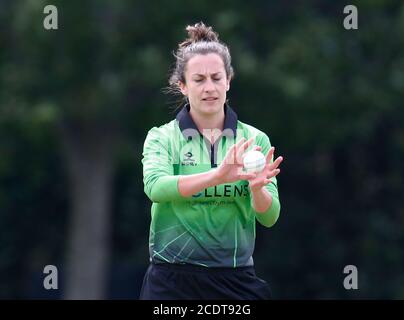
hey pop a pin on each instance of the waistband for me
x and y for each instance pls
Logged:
(187, 267)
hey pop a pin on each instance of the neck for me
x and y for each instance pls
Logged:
(210, 126)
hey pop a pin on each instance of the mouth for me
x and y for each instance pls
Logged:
(210, 99)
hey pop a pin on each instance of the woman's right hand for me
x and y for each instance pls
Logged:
(231, 168)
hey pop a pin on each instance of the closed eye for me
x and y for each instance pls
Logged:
(200, 80)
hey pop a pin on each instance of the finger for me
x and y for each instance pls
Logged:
(245, 145)
(240, 142)
(270, 154)
(273, 173)
(234, 149)
(243, 148)
(247, 176)
(237, 146)
(230, 155)
(276, 163)
(256, 148)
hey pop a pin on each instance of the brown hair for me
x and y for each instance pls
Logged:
(201, 40)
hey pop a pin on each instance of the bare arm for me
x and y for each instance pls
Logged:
(194, 183)
(261, 200)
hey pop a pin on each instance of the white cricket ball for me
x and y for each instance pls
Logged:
(254, 161)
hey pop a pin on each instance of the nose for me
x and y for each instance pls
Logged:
(209, 85)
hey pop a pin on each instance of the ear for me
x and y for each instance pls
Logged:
(183, 88)
(228, 85)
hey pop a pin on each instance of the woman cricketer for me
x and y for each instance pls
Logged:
(204, 203)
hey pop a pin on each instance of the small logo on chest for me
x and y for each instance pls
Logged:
(188, 159)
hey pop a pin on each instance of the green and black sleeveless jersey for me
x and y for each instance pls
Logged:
(216, 227)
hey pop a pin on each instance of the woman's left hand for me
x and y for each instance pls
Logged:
(270, 170)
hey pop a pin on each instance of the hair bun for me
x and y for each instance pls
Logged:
(199, 32)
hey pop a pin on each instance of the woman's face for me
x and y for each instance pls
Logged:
(205, 84)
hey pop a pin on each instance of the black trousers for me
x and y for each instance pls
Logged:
(189, 282)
